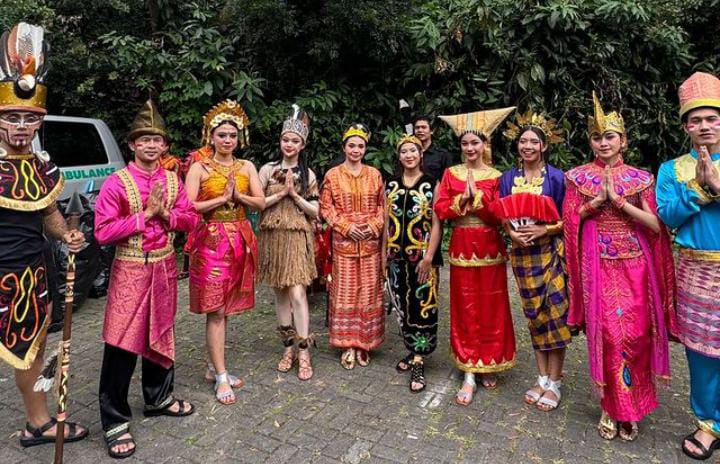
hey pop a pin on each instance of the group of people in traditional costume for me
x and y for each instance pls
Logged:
(589, 250)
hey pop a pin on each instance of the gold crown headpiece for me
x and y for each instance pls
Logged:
(357, 130)
(298, 123)
(227, 110)
(549, 127)
(601, 122)
(408, 138)
(479, 123)
(23, 69)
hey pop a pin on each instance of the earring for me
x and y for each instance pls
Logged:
(3, 153)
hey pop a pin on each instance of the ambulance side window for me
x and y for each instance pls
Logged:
(72, 144)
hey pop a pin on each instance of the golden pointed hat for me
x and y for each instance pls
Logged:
(601, 122)
(549, 127)
(479, 123)
(699, 90)
(228, 110)
(147, 122)
(22, 69)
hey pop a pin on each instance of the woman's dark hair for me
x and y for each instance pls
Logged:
(398, 165)
(232, 123)
(480, 135)
(535, 130)
(302, 168)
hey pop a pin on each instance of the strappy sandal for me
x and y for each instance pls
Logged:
(417, 375)
(112, 439)
(705, 452)
(347, 359)
(406, 361)
(287, 360)
(626, 435)
(227, 397)
(463, 397)
(37, 436)
(363, 357)
(546, 404)
(235, 382)
(531, 396)
(607, 428)
(166, 410)
(305, 369)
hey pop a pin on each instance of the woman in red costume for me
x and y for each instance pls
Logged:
(481, 330)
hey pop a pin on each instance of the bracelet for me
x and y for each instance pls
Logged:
(619, 202)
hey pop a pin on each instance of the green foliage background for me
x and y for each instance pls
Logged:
(347, 61)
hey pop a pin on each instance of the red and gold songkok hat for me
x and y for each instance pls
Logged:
(298, 123)
(227, 110)
(357, 130)
(601, 122)
(699, 90)
(479, 123)
(549, 127)
(22, 69)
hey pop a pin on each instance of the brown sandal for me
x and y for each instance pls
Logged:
(305, 369)
(287, 360)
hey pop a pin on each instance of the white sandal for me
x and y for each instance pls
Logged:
(229, 395)
(554, 387)
(464, 398)
(542, 382)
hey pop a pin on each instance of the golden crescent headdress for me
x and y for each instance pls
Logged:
(227, 110)
(601, 122)
(553, 133)
(408, 138)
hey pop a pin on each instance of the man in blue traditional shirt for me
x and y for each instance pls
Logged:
(688, 196)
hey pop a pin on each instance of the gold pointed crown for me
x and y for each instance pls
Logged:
(601, 122)
(22, 69)
(553, 133)
(298, 123)
(479, 123)
(408, 138)
(227, 110)
(147, 122)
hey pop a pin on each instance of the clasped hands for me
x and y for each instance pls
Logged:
(155, 205)
(289, 187)
(706, 174)
(470, 189)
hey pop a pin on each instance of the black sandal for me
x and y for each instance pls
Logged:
(38, 438)
(706, 452)
(407, 360)
(417, 375)
(166, 411)
(112, 439)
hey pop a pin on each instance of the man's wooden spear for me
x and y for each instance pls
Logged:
(73, 212)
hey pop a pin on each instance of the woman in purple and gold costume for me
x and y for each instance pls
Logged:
(621, 279)
(223, 248)
(530, 205)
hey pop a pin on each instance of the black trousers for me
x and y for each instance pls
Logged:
(117, 370)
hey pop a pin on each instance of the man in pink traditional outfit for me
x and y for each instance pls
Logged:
(138, 210)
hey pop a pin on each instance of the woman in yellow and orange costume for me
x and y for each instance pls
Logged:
(481, 330)
(223, 249)
(352, 202)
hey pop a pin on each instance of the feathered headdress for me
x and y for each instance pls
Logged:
(298, 123)
(23, 69)
(227, 110)
(601, 122)
(553, 133)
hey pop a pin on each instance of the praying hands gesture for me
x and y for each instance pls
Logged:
(155, 204)
(229, 191)
(470, 190)
(706, 174)
(290, 185)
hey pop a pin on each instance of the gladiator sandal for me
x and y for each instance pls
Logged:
(607, 428)
(287, 335)
(305, 369)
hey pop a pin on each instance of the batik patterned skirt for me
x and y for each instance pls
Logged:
(416, 306)
(541, 279)
(356, 316)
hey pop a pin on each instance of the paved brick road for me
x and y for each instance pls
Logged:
(363, 416)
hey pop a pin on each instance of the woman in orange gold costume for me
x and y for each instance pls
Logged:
(223, 249)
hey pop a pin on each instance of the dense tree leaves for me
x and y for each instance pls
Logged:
(351, 61)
